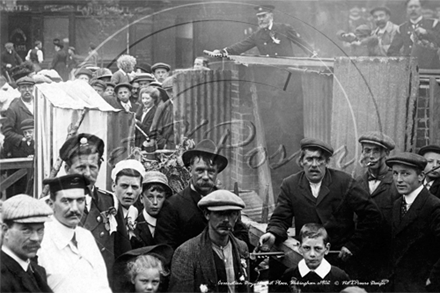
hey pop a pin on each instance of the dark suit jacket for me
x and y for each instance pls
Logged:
(15, 279)
(143, 234)
(115, 103)
(416, 242)
(15, 114)
(435, 188)
(266, 46)
(59, 63)
(110, 245)
(339, 199)
(145, 124)
(403, 45)
(194, 264)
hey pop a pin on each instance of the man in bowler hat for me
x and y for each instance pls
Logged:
(23, 230)
(416, 228)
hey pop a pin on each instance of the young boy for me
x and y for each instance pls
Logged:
(27, 148)
(155, 190)
(313, 273)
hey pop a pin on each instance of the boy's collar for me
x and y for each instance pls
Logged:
(322, 270)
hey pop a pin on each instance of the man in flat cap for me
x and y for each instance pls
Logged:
(271, 39)
(82, 155)
(180, 218)
(385, 29)
(378, 182)
(23, 230)
(127, 176)
(325, 196)
(416, 228)
(84, 74)
(69, 252)
(161, 71)
(99, 86)
(214, 261)
(432, 170)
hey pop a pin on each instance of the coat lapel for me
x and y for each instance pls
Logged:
(305, 190)
(325, 187)
(144, 230)
(412, 213)
(207, 260)
(24, 108)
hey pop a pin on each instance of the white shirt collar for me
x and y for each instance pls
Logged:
(322, 271)
(270, 25)
(62, 235)
(315, 187)
(417, 20)
(149, 219)
(23, 264)
(410, 198)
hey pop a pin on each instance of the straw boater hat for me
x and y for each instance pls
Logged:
(206, 147)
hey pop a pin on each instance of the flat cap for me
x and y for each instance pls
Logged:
(144, 77)
(156, 84)
(80, 144)
(27, 124)
(23, 208)
(432, 148)
(168, 82)
(98, 83)
(110, 84)
(207, 148)
(26, 80)
(264, 8)
(128, 164)
(84, 71)
(157, 177)
(221, 200)
(380, 8)
(316, 143)
(378, 138)
(409, 159)
(119, 85)
(73, 181)
(145, 67)
(160, 65)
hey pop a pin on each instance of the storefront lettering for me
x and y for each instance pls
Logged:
(14, 8)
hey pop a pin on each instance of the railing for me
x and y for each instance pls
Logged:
(23, 167)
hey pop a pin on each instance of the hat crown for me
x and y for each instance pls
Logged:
(378, 138)
(128, 164)
(23, 208)
(221, 200)
(316, 143)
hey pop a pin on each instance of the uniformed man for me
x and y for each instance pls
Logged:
(432, 170)
(23, 230)
(82, 154)
(271, 39)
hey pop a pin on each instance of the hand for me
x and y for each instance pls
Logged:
(8, 65)
(345, 254)
(218, 53)
(420, 31)
(266, 242)
(428, 282)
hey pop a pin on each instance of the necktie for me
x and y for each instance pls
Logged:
(30, 272)
(74, 240)
(404, 209)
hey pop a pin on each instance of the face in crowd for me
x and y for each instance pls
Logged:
(152, 198)
(68, 206)
(84, 77)
(135, 89)
(433, 162)
(373, 155)
(406, 178)
(221, 223)
(314, 164)
(109, 91)
(147, 100)
(414, 9)
(264, 19)
(161, 74)
(99, 90)
(203, 175)
(26, 92)
(314, 250)
(127, 189)
(28, 134)
(85, 164)
(123, 94)
(381, 18)
(24, 239)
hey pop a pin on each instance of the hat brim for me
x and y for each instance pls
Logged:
(429, 149)
(375, 143)
(39, 219)
(392, 162)
(218, 159)
(170, 191)
(222, 208)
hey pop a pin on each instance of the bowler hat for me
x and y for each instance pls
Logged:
(124, 84)
(110, 84)
(145, 67)
(378, 138)
(160, 65)
(206, 147)
(84, 71)
(429, 148)
(103, 73)
(157, 177)
(409, 159)
(27, 124)
(23, 208)
(72, 181)
(156, 84)
(316, 143)
(143, 77)
(128, 164)
(79, 143)
(221, 200)
(26, 80)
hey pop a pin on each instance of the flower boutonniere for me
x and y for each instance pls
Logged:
(274, 38)
(131, 226)
(243, 275)
(108, 217)
(204, 288)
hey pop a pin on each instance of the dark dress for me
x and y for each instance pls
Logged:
(59, 63)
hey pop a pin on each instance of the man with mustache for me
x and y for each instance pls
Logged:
(214, 261)
(378, 182)
(69, 252)
(180, 218)
(385, 29)
(325, 196)
(83, 154)
(432, 170)
(23, 230)
(418, 37)
(416, 228)
(271, 39)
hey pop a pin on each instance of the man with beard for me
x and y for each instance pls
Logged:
(418, 37)
(432, 170)
(180, 218)
(272, 39)
(325, 196)
(214, 261)
(82, 155)
(68, 252)
(23, 230)
(386, 30)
